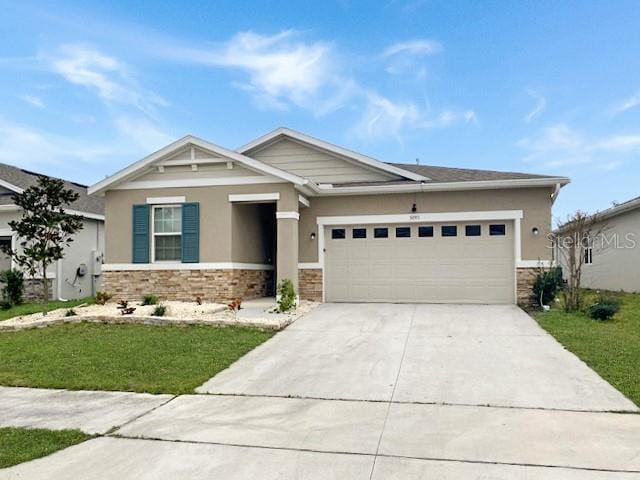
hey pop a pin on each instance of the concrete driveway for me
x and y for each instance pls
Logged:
(354, 391)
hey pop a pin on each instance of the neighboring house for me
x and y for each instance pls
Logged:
(612, 259)
(196, 219)
(78, 274)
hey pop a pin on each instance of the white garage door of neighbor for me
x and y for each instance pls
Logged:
(470, 262)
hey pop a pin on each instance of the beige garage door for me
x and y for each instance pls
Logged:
(470, 262)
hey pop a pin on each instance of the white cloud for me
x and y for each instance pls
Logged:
(539, 108)
(560, 146)
(27, 147)
(142, 133)
(413, 47)
(384, 118)
(405, 58)
(33, 101)
(629, 103)
(283, 69)
(107, 76)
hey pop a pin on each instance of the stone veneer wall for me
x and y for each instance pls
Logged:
(310, 284)
(186, 285)
(524, 285)
(33, 289)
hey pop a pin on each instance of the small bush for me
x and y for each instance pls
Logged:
(70, 313)
(103, 297)
(149, 299)
(546, 285)
(604, 309)
(286, 296)
(4, 305)
(12, 286)
(159, 311)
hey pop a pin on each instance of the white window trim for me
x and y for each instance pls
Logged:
(162, 234)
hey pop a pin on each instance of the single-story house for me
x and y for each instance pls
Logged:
(196, 219)
(77, 275)
(611, 259)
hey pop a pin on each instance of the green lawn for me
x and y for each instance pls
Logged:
(611, 348)
(19, 445)
(28, 308)
(140, 358)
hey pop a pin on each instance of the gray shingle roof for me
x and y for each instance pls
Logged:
(24, 179)
(447, 174)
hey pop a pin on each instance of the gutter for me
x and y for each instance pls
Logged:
(328, 189)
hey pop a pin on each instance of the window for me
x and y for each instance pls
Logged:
(381, 232)
(498, 229)
(359, 233)
(472, 230)
(403, 232)
(425, 231)
(588, 256)
(449, 231)
(338, 233)
(167, 234)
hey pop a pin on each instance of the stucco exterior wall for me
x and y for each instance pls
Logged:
(216, 218)
(64, 281)
(534, 202)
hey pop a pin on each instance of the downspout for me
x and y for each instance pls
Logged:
(555, 193)
(59, 281)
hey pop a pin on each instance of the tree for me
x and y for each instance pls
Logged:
(45, 228)
(573, 241)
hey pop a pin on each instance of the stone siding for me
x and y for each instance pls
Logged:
(186, 285)
(33, 289)
(310, 284)
(525, 279)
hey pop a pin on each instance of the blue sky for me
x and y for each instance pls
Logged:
(544, 87)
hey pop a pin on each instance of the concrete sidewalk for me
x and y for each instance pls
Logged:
(91, 412)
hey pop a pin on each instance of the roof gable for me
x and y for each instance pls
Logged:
(186, 151)
(367, 164)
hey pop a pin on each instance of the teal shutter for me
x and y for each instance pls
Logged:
(141, 234)
(190, 232)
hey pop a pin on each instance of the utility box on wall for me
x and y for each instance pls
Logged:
(96, 262)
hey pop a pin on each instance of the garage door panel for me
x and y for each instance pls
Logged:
(432, 269)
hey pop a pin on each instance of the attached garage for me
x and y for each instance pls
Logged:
(447, 262)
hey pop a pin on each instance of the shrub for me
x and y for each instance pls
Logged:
(103, 297)
(12, 286)
(286, 296)
(546, 285)
(149, 299)
(4, 305)
(604, 308)
(159, 311)
(70, 313)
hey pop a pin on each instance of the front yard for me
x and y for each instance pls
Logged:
(611, 348)
(29, 308)
(19, 445)
(139, 358)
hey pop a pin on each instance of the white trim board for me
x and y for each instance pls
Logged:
(534, 263)
(10, 186)
(310, 266)
(92, 216)
(114, 267)
(195, 182)
(421, 217)
(165, 200)
(288, 215)
(254, 197)
(303, 201)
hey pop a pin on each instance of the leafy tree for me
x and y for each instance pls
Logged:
(45, 228)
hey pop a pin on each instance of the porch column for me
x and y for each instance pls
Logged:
(287, 245)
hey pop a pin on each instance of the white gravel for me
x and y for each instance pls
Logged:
(185, 313)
